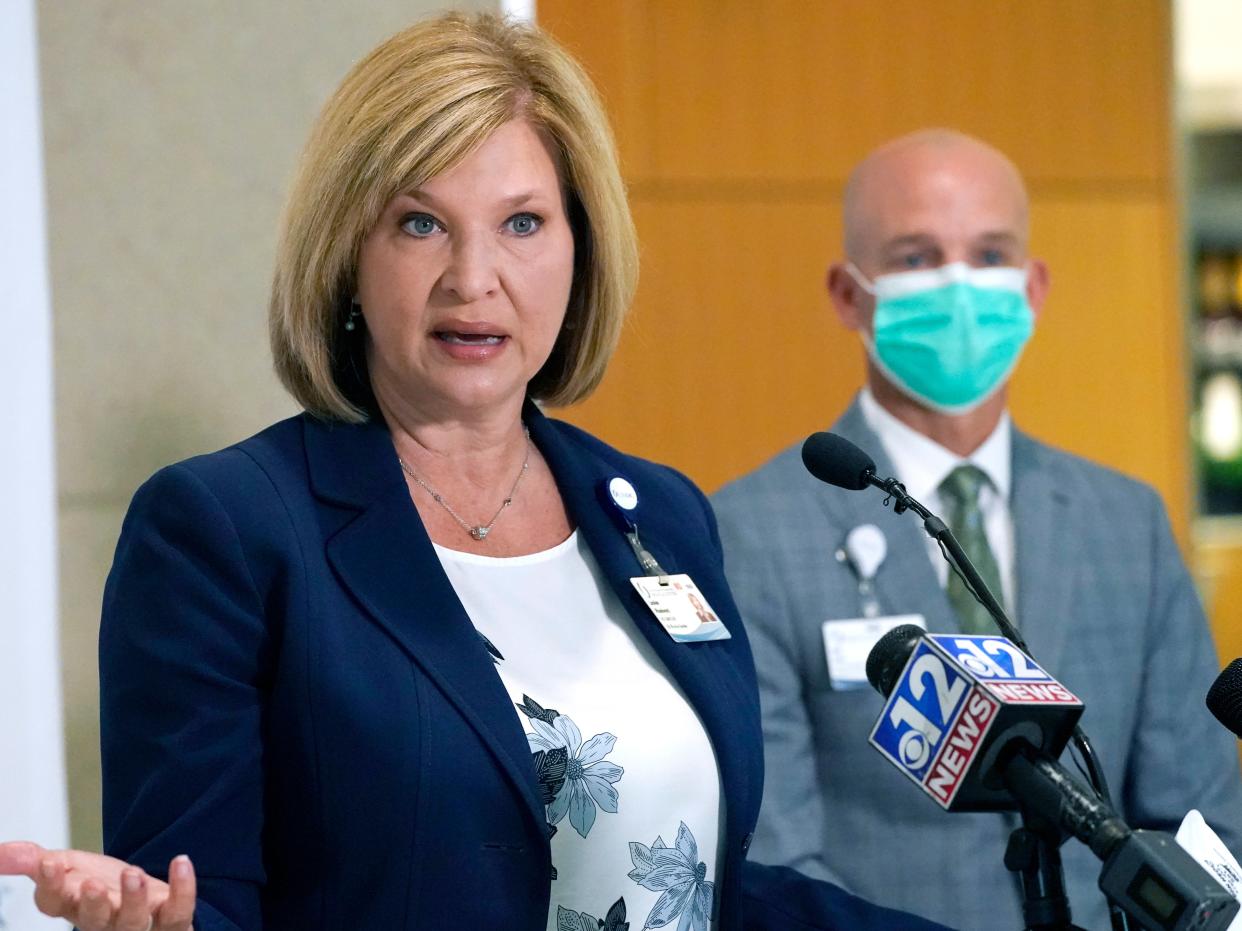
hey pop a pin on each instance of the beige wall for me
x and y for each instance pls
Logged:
(171, 131)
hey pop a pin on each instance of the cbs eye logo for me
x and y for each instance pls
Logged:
(932, 685)
(914, 749)
(995, 658)
(977, 666)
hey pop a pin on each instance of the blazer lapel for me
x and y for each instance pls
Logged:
(1045, 559)
(906, 582)
(386, 560)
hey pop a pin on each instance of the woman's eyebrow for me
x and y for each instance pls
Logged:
(510, 201)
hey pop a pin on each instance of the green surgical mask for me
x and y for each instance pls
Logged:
(949, 337)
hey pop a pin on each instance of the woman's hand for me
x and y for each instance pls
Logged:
(99, 893)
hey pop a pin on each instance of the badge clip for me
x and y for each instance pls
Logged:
(675, 601)
(620, 500)
(864, 550)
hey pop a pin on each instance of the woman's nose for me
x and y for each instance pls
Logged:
(471, 273)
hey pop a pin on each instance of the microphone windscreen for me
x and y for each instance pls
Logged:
(889, 655)
(1224, 698)
(837, 461)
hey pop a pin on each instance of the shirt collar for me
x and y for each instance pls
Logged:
(922, 464)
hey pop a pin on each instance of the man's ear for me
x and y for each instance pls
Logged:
(1038, 281)
(851, 302)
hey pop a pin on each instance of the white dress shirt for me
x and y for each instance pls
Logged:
(922, 464)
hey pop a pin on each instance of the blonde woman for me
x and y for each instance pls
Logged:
(382, 665)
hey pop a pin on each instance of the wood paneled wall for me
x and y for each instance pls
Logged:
(738, 121)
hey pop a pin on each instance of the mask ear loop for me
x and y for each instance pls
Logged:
(859, 278)
(867, 285)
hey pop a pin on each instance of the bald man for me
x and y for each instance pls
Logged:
(938, 283)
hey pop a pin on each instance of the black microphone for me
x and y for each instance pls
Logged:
(837, 461)
(976, 724)
(1224, 698)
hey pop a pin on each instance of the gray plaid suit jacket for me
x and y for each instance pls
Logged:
(1106, 605)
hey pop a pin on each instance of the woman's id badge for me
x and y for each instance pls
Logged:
(680, 608)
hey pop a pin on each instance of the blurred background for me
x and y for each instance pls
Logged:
(170, 132)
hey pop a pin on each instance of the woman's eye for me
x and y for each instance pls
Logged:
(914, 260)
(420, 224)
(523, 224)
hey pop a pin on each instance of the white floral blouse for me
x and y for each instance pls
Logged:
(628, 774)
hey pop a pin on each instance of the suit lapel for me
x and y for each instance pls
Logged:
(1045, 560)
(384, 557)
(906, 582)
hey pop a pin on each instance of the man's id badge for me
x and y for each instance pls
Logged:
(680, 608)
(848, 642)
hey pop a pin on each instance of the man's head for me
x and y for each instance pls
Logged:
(922, 202)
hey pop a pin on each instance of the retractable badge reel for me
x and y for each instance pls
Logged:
(848, 641)
(678, 605)
(864, 549)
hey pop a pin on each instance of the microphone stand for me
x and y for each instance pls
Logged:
(1034, 849)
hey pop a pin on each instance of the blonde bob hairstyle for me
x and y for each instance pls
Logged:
(412, 109)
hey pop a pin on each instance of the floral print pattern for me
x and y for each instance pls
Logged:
(681, 877)
(576, 780)
(589, 779)
(569, 920)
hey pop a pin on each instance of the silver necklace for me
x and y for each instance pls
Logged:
(477, 531)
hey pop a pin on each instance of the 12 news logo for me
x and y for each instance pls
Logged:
(947, 701)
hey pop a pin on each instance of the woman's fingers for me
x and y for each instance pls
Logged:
(178, 909)
(135, 911)
(50, 896)
(100, 893)
(95, 908)
(20, 858)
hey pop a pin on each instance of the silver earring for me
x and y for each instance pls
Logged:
(355, 313)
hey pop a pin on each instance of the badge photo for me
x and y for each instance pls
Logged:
(681, 609)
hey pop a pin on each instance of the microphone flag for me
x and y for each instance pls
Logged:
(958, 703)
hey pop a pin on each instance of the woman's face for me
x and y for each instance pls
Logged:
(464, 282)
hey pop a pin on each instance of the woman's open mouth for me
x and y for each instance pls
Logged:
(468, 339)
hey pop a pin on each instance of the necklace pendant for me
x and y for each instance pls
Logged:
(482, 530)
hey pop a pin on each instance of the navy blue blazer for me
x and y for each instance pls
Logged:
(293, 695)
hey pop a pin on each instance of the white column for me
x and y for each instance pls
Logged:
(32, 774)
